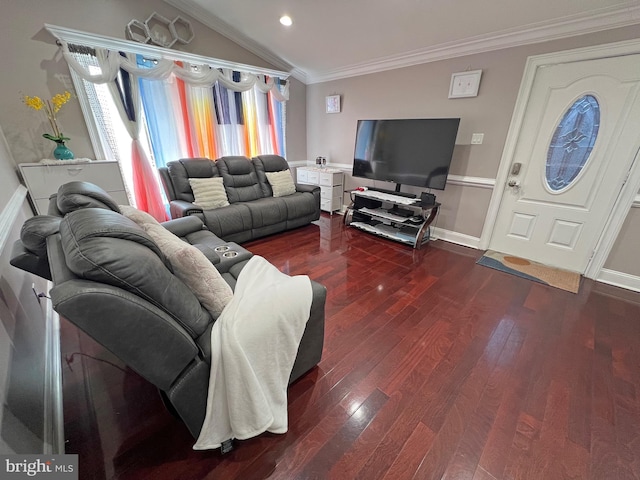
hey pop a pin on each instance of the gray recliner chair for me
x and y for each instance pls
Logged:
(111, 280)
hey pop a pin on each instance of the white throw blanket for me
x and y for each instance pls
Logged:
(253, 346)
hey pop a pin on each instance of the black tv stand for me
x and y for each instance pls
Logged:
(402, 212)
(398, 218)
(393, 192)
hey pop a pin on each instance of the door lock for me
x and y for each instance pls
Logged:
(515, 169)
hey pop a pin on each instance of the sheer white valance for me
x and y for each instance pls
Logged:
(111, 62)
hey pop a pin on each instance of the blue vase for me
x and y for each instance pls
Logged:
(61, 152)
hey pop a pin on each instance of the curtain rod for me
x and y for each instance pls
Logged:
(72, 36)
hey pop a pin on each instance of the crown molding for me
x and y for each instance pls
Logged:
(535, 33)
(226, 30)
(604, 19)
(299, 74)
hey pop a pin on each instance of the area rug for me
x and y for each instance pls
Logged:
(537, 272)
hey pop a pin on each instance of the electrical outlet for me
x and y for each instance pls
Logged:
(477, 138)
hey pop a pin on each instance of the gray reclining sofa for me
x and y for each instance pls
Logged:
(111, 280)
(253, 211)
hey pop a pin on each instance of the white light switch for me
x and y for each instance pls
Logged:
(477, 138)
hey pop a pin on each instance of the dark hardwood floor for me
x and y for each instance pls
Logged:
(433, 367)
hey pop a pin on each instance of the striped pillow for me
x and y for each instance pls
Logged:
(281, 183)
(209, 192)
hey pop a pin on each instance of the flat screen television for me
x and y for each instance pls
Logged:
(413, 151)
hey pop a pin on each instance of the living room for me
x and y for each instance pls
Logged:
(33, 65)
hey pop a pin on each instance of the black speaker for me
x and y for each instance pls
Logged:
(427, 199)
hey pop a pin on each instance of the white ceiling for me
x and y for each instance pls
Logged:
(333, 39)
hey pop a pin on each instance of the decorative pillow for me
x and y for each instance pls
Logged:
(138, 216)
(189, 264)
(281, 183)
(198, 273)
(209, 192)
(194, 269)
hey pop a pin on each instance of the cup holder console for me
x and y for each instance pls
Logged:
(230, 254)
(226, 252)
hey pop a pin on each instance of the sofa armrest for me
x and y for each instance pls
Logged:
(303, 187)
(192, 230)
(184, 225)
(28, 261)
(180, 208)
(312, 341)
(315, 191)
(137, 332)
(167, 183)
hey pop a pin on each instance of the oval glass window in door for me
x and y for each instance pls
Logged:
(572, 142)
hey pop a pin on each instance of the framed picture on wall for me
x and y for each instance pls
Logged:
(333, 103)
(465, 84)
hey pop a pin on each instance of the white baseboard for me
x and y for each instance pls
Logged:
(53, 411)
(619, 279)
(455, 237)
(52, 417)
(297, 163)
(10, 213)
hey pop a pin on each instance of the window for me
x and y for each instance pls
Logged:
(146, 112)
(104, 122)
(572, 142)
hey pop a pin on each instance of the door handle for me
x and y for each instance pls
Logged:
(513, 183)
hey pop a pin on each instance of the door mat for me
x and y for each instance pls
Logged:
(555, 277)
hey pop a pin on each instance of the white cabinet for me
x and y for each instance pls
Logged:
(43, 180)
(330, 181)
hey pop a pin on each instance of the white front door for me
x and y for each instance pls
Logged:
(577, 142)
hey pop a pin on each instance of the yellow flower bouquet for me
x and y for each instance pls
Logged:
(51, 108)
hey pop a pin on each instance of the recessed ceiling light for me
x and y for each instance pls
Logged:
(286, 20)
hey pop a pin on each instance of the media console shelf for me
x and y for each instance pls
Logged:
(394, 217)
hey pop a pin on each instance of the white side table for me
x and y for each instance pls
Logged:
(330, 181)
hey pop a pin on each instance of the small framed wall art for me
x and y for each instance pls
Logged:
(465, 84)
(333, 103)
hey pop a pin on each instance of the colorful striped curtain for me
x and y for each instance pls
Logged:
(197, 121)
(169, 137)
(126, 96)
(183, 110)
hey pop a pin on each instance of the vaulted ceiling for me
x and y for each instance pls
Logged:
(333, 39)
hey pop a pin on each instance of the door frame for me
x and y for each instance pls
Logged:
(630, 189)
